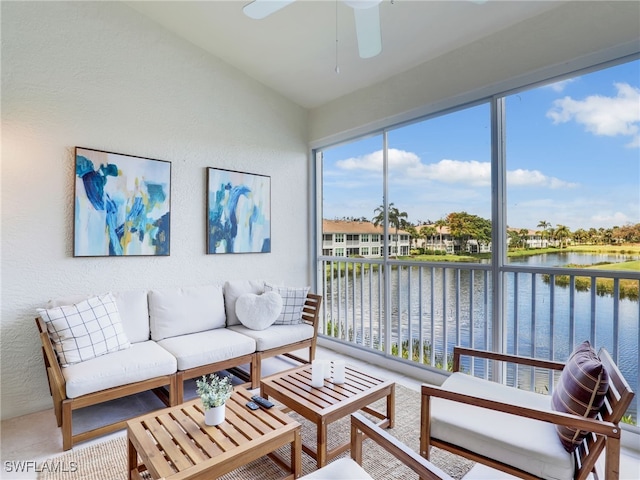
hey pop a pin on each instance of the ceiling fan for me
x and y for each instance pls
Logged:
(367, 16)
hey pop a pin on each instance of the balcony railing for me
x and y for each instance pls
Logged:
(435, 306)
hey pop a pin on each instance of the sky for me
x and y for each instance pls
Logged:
(572, 153)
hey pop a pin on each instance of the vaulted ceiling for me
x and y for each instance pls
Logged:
(294, 51)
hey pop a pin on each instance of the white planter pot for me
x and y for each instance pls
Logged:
(215, 415)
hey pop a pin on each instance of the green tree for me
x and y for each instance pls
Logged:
(545, 226)
(464, 226)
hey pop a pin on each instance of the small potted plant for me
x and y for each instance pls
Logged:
(214, 392)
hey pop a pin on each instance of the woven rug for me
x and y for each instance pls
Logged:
(108, 460)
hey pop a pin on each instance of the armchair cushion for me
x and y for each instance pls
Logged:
(486, 432)
(581, 391)
(276, 335)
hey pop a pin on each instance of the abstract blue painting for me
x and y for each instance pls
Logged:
(122, 205)
(238, 212)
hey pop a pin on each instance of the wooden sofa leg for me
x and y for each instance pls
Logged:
(67, 425)
(256, 370)
(176, 389)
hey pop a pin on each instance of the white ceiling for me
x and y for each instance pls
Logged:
(293, 51)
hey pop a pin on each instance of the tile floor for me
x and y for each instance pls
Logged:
(35, 437)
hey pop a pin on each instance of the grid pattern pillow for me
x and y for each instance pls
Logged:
(581, 391)
(85, 330)
(292, 303)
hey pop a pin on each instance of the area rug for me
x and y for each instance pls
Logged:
(108, 460)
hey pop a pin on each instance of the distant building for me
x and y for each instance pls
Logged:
(341, 238)
(442, 240)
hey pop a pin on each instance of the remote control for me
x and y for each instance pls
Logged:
(262, 401)
(252, 406)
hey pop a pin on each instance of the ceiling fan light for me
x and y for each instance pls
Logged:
(368, 31)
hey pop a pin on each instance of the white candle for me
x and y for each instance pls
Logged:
(317, 374)
(338, 372)
(327, 369)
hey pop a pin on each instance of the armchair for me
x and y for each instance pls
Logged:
(350, 469)
(515, 430)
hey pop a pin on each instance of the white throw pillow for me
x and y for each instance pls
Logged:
(293, 300)
(85, 330)
(232, 290)
(258, 312)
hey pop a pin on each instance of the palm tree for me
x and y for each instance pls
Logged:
(440, 224)
(426, 232)
(562, 233)
(544, 225)
(395, 219)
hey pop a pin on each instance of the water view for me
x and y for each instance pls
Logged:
(440, 307)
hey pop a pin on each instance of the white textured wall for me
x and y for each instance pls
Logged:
(98, 75)
(554, 42)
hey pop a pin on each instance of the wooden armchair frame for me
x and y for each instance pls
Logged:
(63, 407)
(605, 430)
(362, 428)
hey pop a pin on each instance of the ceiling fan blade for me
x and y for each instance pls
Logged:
(368, 31)
(259, 9)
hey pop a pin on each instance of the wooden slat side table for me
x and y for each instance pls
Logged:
(329, 403)
(175, 444)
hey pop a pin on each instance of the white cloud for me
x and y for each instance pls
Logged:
(600, 115)
(408, 166)
(535, 178)
(616, 218)
(561, 85)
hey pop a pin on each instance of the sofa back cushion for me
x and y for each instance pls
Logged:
(180, 311)
(132, 307)
(232, 290)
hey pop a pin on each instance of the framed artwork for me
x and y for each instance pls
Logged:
(122, 205)
(238, 212)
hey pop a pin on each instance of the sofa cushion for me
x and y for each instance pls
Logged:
(232, 290)
(132, 307)
(341, 469)
(581, 390)
(142, 361)
(276, 335)
(498, 435)
(258, 312)
(208, 347)
(85, 330)
(180, 311)
(293, 300)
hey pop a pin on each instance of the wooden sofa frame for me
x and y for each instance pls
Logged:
(605, 429)
(310, 316)
(169, 388)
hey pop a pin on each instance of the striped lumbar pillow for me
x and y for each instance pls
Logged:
(581, 391)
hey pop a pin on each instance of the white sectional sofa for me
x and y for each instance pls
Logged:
(155, 340)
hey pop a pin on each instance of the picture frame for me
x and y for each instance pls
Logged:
(238, 212)
(122, 205)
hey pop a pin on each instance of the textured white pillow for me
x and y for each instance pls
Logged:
(293, 300)
(85, 330)
(258, 312)
(232, 290)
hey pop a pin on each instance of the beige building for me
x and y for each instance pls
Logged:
(341, 238)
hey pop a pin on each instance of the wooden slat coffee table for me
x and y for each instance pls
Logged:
(174, 443)
(329, 403)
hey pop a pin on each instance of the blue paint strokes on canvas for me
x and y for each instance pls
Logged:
(236, 223)
(131, 223)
